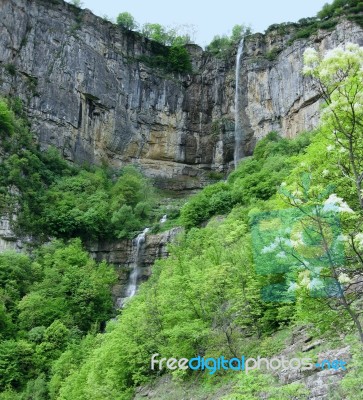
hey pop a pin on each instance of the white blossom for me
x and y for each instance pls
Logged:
(292, 287)
(359, 239)
(325, 172)
(336, 204)
(270, 248)
(282, 254)
(316, 283)
(311, 56)
(344, 278)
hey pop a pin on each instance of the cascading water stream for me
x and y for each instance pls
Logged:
(238, 133)
(131, 288)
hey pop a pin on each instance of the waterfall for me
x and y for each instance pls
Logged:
(238, 133)
(131, 288)
(164, 219)
(137, 244)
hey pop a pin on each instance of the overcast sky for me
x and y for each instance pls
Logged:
(210, 18)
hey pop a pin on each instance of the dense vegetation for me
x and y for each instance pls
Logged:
(55, 199)
(212, 295)
(205, 298)
(326, 18)
(48, 302)
(256, 179)
(172, 55)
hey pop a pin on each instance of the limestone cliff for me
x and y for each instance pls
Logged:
(276, 95)
(89, 91)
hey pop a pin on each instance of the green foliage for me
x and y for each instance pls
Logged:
(273, 54)
(179, 59)
(354, 378)
(77, 3)
(204, 299)
(256, 385)
(16, 363)
(25, 172)
(223, 46)
(165, 36)
(16, 277)
(73, 289)
(56, 199)
(127, 21)
(199, 301)
(6, 120)
(256, 178)
(47, 303)
(171, 59)
(214, 199)
(327, 18)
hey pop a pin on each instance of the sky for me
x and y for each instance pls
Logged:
(209, 18)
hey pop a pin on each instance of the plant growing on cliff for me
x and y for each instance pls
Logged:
(77, 3)
(127, 21)
(223, 46)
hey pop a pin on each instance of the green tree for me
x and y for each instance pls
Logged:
(339, 77)
(223, 46)
(155, 32)
(16, 363)
(127, 21)
(77, 3)
(314, 251)
(73, 289)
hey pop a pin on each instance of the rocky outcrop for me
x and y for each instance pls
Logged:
(276, 95)
(8, 240)
(122, 255)
(89, 91)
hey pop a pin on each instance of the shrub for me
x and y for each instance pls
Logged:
(223, 46)
(178, 59)
(10, 68)
(6, 120)
(127, 21)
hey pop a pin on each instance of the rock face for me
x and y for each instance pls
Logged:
(276, 95)
(122, 255)
(88, 91)
(8, 240)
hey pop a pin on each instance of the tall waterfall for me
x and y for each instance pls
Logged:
(238, 133)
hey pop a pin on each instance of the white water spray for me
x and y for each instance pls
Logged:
(164, 219)
(238, 133)
(135, 273)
